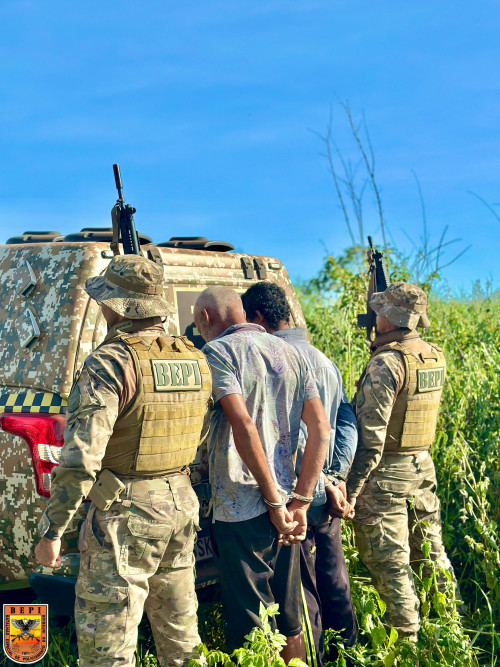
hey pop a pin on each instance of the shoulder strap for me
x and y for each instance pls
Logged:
(183, 344)
(394, 346)
(132, 340)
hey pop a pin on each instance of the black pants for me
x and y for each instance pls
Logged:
(254, 568)
(326, 583)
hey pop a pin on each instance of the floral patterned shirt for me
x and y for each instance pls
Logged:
(274, 382)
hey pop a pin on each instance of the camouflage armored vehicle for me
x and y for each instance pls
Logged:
(50, 325)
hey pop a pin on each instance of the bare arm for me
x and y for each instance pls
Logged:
(249, 447)
(318, 439)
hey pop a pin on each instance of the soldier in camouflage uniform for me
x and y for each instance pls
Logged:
(392, 480)
(134, 421)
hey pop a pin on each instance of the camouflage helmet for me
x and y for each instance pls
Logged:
(403, 304)
(132, 286)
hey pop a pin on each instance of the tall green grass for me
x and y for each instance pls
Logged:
(466, 451)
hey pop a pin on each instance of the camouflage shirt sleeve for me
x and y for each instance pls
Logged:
(383, 380)
(98, 396)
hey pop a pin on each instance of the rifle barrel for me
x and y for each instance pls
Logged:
(118, 181)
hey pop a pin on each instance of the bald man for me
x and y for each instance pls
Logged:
(261, 390)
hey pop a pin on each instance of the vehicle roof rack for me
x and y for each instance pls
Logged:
(98, 234)
(196, 243)
(34, 237)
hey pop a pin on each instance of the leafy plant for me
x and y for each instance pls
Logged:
(262, 648)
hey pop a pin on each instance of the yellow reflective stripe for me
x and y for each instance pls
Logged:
(34, 402)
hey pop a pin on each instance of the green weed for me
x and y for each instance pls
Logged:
(262, 648)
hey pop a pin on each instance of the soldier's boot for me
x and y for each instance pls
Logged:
(383, 547)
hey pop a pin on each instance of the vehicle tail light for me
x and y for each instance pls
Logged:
(44, 436)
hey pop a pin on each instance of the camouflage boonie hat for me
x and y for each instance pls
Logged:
(132, 286)
(403, 304)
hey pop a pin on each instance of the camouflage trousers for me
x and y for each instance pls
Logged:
(399, 496)
(136, 557)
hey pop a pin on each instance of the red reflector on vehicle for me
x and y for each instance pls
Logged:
(38, 429)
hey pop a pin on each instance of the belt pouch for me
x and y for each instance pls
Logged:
(106, 490)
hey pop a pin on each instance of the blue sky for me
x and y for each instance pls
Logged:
(208, 106)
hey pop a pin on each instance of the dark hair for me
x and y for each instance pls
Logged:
(270, 300)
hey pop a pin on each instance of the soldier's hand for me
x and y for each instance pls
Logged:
(337, 502)
(47, 552)
(282, 520)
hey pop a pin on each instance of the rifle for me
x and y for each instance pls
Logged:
(122, 215)
(378, 282)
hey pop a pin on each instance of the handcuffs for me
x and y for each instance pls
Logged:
(286, 497)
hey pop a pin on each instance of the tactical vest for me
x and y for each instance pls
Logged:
(413, 421)
(159, 431)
